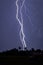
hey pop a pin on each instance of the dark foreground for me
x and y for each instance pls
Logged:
(21, 57)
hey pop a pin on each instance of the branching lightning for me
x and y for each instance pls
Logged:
(26, 9)
(22, 35)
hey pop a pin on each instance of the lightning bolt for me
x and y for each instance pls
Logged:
(26, 9)
(21, 33)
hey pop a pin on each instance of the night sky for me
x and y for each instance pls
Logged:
(33, 24)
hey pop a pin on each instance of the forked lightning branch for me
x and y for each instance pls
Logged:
(21, 32)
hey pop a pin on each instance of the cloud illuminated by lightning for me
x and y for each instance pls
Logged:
(22, 35)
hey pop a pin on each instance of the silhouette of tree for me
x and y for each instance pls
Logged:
(19, 48)
(32, 49)
(38, 50)
(25, 48)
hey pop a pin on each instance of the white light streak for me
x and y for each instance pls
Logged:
(21, 33)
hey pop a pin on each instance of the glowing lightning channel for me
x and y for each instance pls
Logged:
(22, 35)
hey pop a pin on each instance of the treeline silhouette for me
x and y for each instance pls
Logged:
(19, 56)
